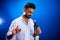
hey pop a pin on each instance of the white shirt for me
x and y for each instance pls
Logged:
(26, 30)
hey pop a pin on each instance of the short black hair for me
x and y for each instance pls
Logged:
(29, 5)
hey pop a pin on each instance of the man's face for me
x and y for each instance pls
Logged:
(29, 12)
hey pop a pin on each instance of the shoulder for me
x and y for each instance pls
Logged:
(31, 21)
(16, 20)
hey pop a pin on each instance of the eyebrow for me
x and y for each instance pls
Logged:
(30, 11)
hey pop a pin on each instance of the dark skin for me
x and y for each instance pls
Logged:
(28, 14)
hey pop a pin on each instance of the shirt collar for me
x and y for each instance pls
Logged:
(22, 16)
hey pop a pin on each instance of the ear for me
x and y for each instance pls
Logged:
(24, 9)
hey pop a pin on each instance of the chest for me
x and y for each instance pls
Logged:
(26, 28)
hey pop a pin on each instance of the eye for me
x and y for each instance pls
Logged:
(30, 12)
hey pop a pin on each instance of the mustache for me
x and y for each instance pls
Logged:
(29, 16)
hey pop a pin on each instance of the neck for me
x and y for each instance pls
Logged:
(25, 19)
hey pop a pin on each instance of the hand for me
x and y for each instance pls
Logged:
(16, 30)
(37, 32)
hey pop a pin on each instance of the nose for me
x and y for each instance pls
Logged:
(30, 14)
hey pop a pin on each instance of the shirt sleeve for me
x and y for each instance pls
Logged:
(37, 38)
(12, 26)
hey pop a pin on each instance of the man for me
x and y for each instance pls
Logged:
(22, 28)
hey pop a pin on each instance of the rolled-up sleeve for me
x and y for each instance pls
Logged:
(12, 26)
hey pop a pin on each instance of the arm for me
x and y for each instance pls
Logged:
(9, 36)
(13, 30)
(37, 32)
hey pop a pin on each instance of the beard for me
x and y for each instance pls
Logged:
(27, 16)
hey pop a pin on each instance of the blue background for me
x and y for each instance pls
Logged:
(46, 15)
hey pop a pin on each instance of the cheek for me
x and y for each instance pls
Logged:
(29, 14)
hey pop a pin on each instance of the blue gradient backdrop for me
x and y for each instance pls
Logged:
(46, 15)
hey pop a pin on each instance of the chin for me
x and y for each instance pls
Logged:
(29, 17)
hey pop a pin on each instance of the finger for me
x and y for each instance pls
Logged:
(16, 28)
(19, 30)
